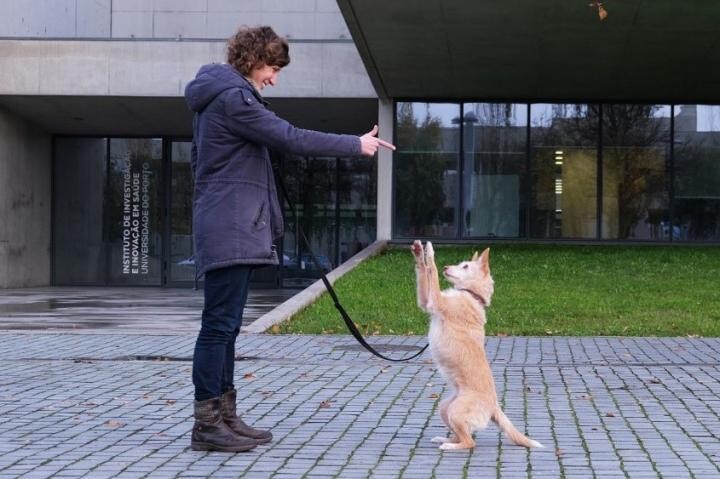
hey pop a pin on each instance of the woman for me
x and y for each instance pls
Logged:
(236, 213)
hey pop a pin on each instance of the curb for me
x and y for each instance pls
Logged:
(292, 306)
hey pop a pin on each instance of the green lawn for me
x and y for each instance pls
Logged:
(542, 290)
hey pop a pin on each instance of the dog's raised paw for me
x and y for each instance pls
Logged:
(417, 248)
(440, 439)
(429, 251)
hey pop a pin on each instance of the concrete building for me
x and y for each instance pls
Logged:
(92, 91)
(513, 122)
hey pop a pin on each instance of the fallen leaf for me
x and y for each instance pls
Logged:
(249, 376)
(434, 396)
(602, 13)
(325, 403)
(170, 402)
(610, 414)
(559, 452)
(114, 423)
(275, 328)
(655, 380)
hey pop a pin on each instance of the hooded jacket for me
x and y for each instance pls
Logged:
(236, 213)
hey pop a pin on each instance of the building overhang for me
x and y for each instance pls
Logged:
(556, 50)
(170, 116)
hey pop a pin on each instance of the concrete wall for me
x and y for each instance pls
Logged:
(147, 68)
(24, 204)
(300, 19)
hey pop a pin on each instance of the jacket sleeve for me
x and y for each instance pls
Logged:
(249, 119)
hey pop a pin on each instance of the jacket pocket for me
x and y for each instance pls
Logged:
(261, 217)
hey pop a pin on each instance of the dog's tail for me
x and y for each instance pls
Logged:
(513, 434)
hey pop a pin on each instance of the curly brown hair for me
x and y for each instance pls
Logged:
(253, 47)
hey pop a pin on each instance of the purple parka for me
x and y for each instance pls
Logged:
(236, 213)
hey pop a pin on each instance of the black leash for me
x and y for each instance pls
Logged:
(348, 321)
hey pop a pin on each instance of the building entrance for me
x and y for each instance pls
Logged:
(122, 213)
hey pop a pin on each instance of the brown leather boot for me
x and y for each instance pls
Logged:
(229, 413)
(210, 433)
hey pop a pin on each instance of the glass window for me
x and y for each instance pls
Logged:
(426, 169)
(78, 196)
(564, 140)
(133, 222)
(636, 150)
(182, 264)
(357, 198)
(494, 140)
(696, 199)
(311, 185)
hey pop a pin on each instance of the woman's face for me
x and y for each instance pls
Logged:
(264, 75)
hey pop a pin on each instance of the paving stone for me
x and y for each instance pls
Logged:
(82, 405)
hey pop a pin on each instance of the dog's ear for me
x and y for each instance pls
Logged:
(475, 256)
(485, 261)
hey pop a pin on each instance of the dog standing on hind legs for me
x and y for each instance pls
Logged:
(457, 344)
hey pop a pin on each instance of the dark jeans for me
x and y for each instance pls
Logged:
(226, 291)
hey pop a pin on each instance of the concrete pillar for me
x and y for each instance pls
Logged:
(384, 181)
(25, 198)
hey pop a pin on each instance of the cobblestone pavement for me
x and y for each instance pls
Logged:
(99, 405)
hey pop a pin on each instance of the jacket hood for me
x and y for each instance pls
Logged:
(210, 81)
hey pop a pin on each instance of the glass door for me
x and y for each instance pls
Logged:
(181, 265)
(133, 220)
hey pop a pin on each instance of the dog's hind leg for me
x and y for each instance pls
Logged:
(443, 415)
(458, 416)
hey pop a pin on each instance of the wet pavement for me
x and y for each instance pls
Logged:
(118, 308)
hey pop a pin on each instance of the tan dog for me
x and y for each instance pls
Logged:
(457, 343)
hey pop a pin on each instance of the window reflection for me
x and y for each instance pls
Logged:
(564, 170)
(335, 206)
(357, 198)
(494, 140)
(312, 187)
(636, 149)
(79, 180)
(696, 206)
(182, 263)
(426, 169)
